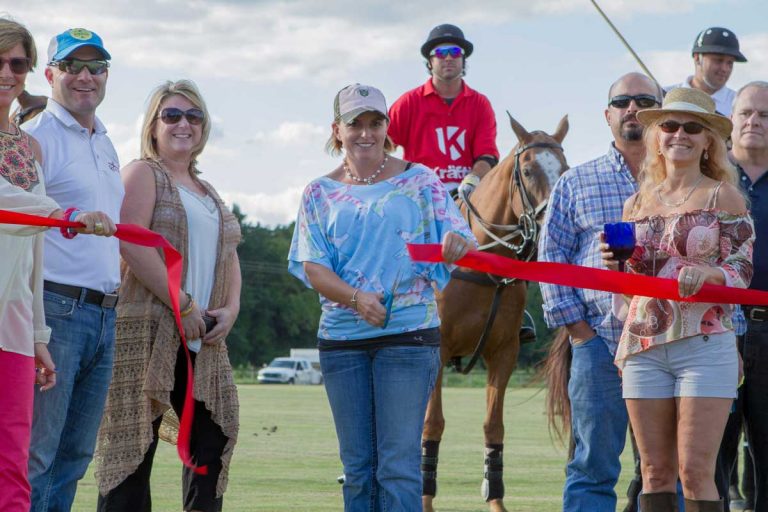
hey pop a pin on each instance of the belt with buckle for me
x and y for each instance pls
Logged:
(756, 313)
(105, 300)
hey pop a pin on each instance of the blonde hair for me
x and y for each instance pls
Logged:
(654, 170)
(13, 33)
(188, 90)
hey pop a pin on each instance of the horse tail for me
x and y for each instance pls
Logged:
(557, 369)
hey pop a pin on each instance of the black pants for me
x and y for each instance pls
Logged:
(755, 392)
(206, 446)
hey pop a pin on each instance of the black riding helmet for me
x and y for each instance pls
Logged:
(718, 40)
(446, 33)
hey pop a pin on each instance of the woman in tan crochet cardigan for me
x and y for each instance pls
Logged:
(164, 193)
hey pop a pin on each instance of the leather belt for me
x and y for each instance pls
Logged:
(756, 313)
(105, 300)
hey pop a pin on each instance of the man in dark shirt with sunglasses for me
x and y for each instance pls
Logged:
(444, 124)
(81, 275)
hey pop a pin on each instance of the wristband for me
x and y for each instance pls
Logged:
(190, 305)
(69, 214)
(492, 161)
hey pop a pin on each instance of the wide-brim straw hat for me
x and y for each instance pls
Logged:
(686, 100)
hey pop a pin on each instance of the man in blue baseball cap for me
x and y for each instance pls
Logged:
(81, 278)
(715, 49)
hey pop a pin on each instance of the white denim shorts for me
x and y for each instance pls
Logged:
(705, 366)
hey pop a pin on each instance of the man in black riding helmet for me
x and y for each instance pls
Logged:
(714, 52)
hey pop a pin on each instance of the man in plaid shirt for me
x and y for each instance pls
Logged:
(584, 199)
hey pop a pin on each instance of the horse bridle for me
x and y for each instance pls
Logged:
(527, 229)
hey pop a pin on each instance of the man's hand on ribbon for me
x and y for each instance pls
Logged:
(96, 223)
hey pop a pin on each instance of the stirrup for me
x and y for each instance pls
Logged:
(528, 329)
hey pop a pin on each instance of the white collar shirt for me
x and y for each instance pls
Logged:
(723, 97)
(81, 170)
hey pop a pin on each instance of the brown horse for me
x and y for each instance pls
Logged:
(503, 212)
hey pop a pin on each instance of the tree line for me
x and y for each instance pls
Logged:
(277, 312)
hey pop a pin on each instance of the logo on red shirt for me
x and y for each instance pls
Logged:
(450, 140)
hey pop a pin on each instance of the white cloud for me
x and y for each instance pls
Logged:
(298, 133)
(275, 41)
(267, 209)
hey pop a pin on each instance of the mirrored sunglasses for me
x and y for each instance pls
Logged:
(18, 65)
(173, 115)
(641, 100)
(75, 66)
(441, 52)
(691, 127)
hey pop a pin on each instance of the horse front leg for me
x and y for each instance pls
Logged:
(499, 370)
(434, 424)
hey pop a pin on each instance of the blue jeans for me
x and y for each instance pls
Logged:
(378, 398)
(66, 418)
(599, 428)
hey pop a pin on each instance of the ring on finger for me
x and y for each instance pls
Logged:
(98, 228)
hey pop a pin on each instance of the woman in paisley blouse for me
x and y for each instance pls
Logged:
(24, 356)
(378, 336)
(679, 361)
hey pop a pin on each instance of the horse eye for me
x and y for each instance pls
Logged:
(527, 173)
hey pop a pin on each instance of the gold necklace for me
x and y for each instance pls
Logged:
(684, 199)
(370, 179)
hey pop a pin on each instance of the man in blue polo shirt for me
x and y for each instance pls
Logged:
(81, 275)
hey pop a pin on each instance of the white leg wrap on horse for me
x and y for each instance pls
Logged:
(493, 481)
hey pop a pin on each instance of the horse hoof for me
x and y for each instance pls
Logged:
(496, 506)
(426, 503)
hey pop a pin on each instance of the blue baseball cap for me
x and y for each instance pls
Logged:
(62, 45)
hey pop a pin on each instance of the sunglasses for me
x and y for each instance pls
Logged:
(442, 52)
(18, 65)
(173, 115)
(691, 128)
(75, 66)
(641, 100)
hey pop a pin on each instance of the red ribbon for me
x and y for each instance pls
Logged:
(173, 264)
(576, 276)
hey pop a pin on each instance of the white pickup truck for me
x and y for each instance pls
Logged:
(289, 370)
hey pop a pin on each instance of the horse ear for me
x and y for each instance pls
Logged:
(521, 133)
(562, 129)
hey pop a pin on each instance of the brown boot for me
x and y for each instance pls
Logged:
(659, 502)
(703, 505)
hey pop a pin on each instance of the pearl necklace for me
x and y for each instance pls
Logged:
(370, 179)
(683, 200)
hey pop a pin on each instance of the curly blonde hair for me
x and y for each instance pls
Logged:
(653, 171)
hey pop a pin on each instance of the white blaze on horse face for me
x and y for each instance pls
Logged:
(551, 165)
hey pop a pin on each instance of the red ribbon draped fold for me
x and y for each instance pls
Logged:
(173, 264)
(576, 276)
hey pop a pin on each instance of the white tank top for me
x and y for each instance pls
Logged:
(203, 229)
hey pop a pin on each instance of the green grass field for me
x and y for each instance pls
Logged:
(295, 467)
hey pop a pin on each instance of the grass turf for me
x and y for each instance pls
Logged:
(287, 459)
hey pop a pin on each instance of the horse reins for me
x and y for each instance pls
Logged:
(527, 229)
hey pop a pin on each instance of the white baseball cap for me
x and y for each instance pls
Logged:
(355, 99)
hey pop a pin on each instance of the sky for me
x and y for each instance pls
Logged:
(269, 69)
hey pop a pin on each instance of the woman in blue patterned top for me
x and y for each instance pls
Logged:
(378, 335)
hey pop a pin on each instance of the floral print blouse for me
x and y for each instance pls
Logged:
(666, 244)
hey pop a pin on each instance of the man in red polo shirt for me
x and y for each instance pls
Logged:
(444, 124)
